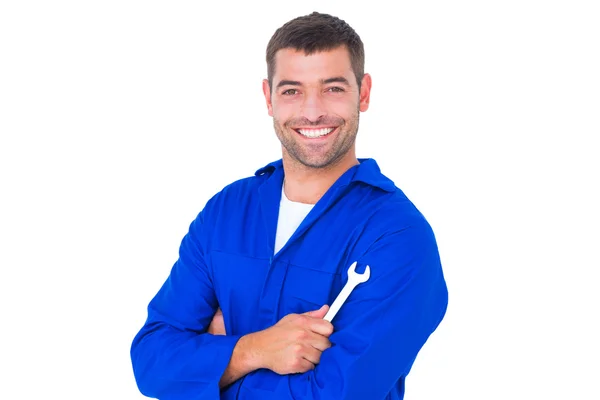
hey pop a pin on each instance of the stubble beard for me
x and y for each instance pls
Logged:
(344, 141)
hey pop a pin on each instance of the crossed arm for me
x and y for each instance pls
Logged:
(385, 322)
(293, 345)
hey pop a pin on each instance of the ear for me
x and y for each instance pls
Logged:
(267, 92)
(365, 92)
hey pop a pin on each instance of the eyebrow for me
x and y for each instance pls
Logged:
(288, 83)
(337, 79)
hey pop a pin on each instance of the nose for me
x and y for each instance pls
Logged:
(313, 106)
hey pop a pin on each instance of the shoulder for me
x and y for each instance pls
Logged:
(240, 192)
(394, 212)
(402, 215)
(397, 213)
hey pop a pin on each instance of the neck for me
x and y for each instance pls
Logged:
(307, 185)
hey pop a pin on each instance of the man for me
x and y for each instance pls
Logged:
(241, 313)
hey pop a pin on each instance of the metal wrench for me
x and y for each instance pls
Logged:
(353, 280)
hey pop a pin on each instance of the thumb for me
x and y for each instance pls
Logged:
(320, 313)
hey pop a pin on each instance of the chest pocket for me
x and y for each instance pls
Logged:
(307, 289)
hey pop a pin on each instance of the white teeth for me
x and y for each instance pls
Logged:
(313, 133)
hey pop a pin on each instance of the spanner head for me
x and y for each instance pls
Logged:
(353, 276)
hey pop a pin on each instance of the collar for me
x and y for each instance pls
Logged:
(367, 172)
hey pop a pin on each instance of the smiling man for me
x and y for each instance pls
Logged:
(315, 100)
(240, 315)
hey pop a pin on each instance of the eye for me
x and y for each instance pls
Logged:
(335, 89)
(290, 92)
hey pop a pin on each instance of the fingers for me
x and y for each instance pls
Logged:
(320, 326)
(303, 365)
(217, 325)
(320, 313)
(295, 343)
(312, 355)
(316, 323)
(319, 342)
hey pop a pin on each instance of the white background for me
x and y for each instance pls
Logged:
(119, 119)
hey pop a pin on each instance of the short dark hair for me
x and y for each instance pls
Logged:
(314, 33)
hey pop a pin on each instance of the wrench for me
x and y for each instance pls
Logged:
(353, 280)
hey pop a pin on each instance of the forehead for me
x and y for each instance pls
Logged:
(291, 64)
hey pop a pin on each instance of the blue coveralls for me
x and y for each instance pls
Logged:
(226, 260)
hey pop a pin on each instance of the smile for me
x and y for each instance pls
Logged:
(315, 133)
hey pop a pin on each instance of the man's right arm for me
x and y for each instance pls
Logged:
(172, 355)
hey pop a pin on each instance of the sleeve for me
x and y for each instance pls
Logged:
(172, 355)
(378, 331)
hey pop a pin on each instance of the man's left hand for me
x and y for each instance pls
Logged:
(217, 325)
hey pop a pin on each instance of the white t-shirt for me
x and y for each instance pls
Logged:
(291, 215)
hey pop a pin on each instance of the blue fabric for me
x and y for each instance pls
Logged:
(226, 260)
